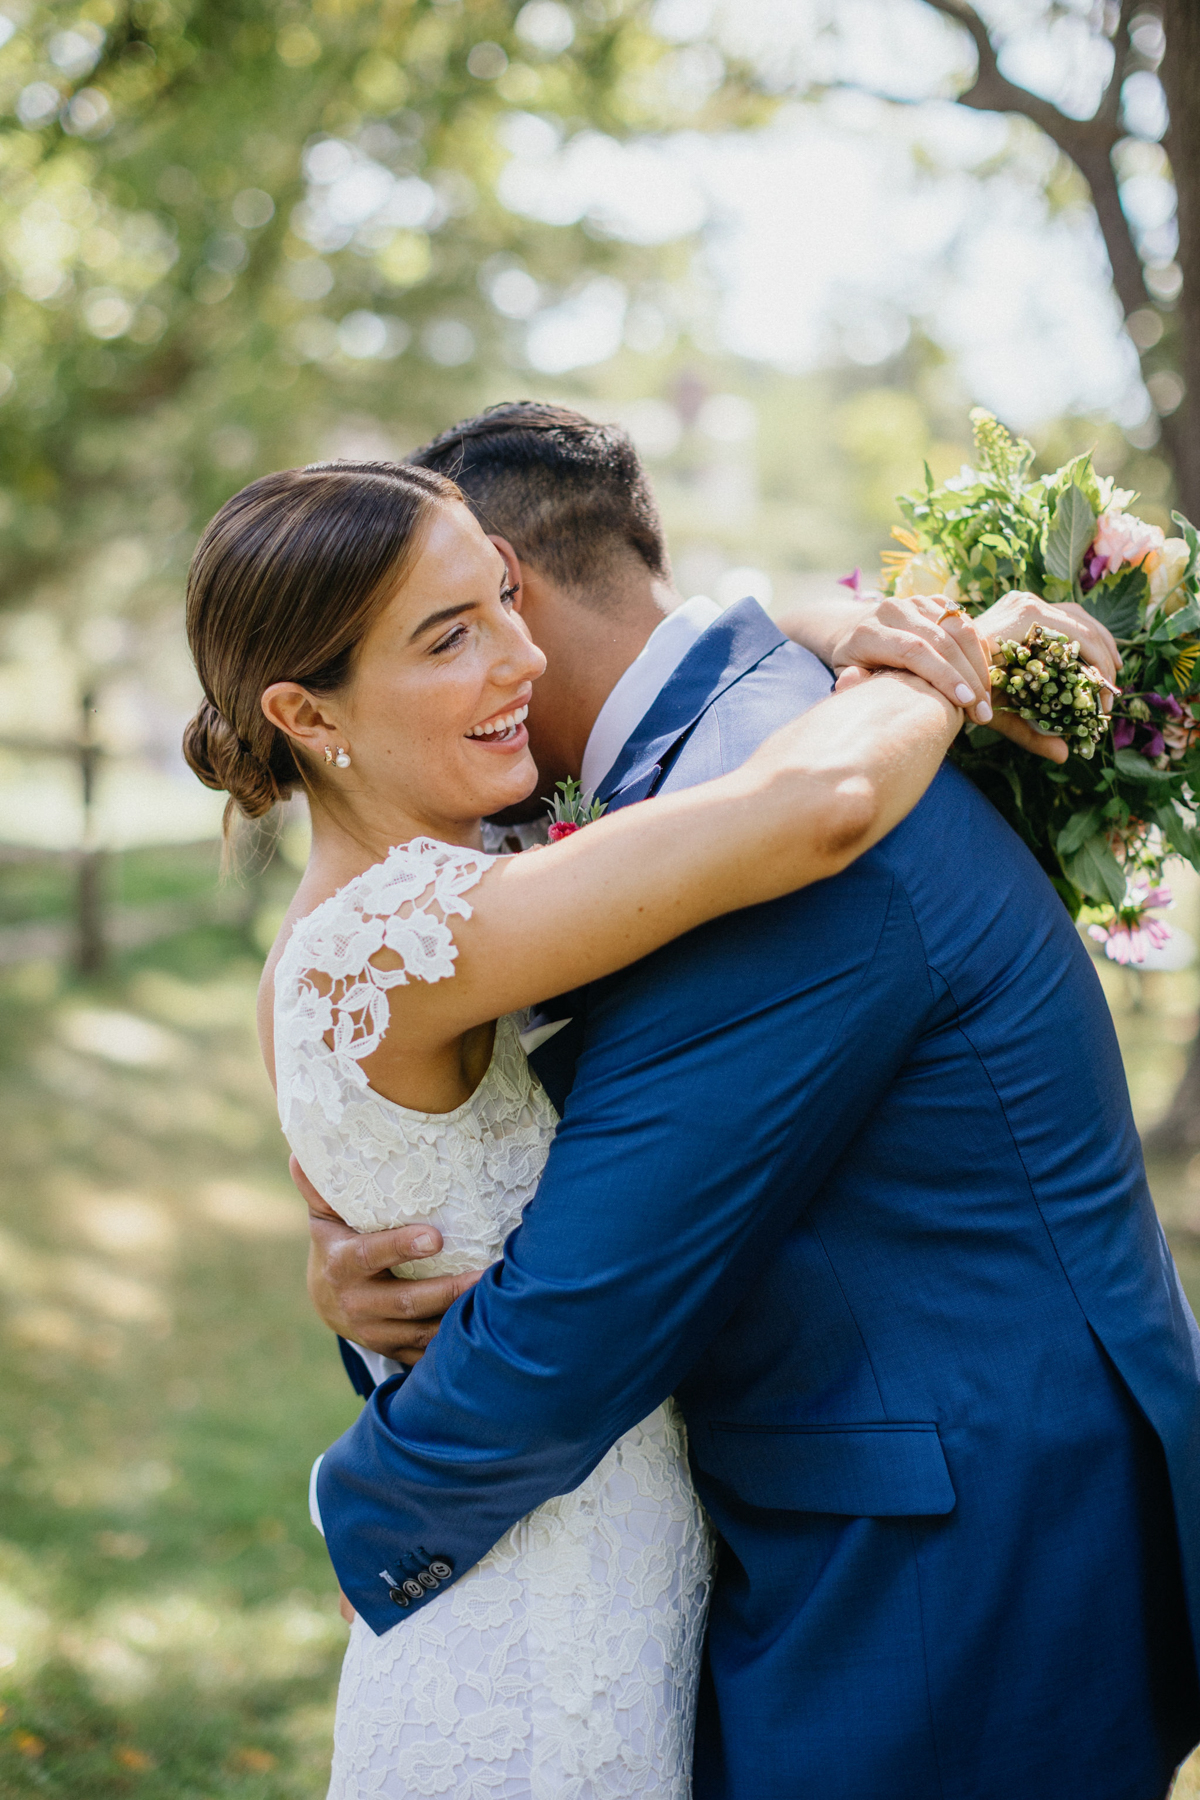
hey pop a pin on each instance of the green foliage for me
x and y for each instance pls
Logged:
(187, 302)
(1125, 799)
(1069, 535)
(1119, 603)
(571, 806)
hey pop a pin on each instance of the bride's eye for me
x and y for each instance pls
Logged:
(451, 640)
(508, 594)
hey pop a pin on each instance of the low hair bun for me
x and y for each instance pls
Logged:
(222, 760)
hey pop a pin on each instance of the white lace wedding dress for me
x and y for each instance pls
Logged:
(564, 1666)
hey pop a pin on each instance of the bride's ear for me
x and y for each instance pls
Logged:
(300, 716)
(513, 564)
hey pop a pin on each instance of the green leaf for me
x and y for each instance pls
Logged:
(1070, 534)
(1184, 622)
(1118, 604)
(1095, 871)
(1077, 830)
(1192, 539)
(1135, 767)
(1178, 833)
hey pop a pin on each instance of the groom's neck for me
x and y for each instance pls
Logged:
(589, 640)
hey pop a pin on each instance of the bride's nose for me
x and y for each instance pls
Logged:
(519, 659)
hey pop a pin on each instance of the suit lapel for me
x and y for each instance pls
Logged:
(732, 646)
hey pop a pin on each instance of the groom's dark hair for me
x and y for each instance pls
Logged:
(569, 494)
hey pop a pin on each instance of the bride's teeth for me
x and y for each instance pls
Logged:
(498, 727)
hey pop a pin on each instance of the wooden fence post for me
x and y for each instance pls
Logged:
(91, 943)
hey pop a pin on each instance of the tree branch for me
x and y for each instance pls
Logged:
(991, 91)
(1109, 108)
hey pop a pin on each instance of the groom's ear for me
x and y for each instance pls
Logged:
(513, 561)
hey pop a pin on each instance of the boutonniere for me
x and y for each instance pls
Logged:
(570, 809)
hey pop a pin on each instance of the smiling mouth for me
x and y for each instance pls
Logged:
(504, 726)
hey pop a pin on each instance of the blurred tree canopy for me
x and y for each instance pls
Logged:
(227, 224)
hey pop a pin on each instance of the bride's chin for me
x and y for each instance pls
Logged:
(516, 784)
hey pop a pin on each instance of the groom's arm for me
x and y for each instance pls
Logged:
(720, 1080)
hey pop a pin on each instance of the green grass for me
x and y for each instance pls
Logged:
(167, 1613)
(168, 1620)
(38, 889)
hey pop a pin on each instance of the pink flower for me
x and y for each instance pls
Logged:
(1120, 540)
(853, 582)
(1132, 934)
(560, 829)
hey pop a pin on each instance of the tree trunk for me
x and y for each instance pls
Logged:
(1179, 1132)
(1181, 80)
(91, 948)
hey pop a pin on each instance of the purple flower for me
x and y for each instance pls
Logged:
(1122, 734)
(1154, 745)
(1166, 703)
(1094, 567)
(853, 582)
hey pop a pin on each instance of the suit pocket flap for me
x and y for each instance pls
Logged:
(877, 1471)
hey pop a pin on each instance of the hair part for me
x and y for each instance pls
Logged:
(283, 586)
(569, 494)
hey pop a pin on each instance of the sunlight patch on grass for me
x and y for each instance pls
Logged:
(252, 1212)
(175, 1638)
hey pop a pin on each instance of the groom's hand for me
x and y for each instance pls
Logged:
(352, 1287)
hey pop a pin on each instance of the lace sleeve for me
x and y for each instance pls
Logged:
(331, 994)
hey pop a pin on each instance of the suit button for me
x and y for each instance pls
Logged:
(398, 1596)
(427, 1580)
(440, 1568)
(413, 1589)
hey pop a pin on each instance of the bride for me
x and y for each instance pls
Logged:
(358, 635)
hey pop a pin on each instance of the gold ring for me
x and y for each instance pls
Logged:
(953, 609)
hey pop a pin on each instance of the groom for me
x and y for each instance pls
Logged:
(853, 1174)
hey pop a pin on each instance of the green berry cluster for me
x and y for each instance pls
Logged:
(1044, 681)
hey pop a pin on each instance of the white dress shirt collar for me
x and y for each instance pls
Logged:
(641, 684)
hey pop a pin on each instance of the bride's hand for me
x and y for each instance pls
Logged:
(926, 637)
(352, 1287)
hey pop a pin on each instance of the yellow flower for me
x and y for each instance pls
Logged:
(926, 572)
(1165, 567)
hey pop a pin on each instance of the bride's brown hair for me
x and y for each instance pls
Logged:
(284, 585)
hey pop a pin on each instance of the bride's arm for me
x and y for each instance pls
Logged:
(815, 796)
(871, 632)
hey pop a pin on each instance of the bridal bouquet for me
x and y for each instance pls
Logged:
(1103, 823)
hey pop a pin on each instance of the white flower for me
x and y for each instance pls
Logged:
(927, 572)
(1113, 499)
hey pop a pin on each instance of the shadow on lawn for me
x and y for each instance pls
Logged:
(168, 1622)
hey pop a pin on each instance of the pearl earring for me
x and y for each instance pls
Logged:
(342, 759)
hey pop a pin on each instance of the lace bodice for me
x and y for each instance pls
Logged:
(564, 1666)
(378, 1164)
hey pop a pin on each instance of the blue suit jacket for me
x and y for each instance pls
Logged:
(854, 1175)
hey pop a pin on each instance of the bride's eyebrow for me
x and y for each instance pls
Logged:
(438, 618)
